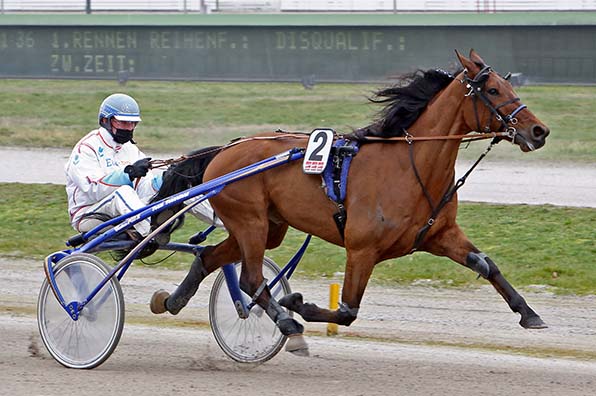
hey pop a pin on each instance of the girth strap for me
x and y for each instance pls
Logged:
(335, 177)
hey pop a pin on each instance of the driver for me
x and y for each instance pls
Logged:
(107, 175)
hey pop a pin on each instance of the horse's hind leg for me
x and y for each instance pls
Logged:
(455, 245)
(210, 259)
(252, 241)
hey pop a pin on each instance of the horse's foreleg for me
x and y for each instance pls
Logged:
(359, 267)
(488, 269)
(210, 259)
(455, 245)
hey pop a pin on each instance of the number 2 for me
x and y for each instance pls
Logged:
(314, 156)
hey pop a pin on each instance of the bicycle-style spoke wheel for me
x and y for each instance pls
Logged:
(251, 340)
(87, 342)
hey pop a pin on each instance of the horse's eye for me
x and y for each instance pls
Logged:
(493, 91)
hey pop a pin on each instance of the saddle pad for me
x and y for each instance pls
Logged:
(335, 175)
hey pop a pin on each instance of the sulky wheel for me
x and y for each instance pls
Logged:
(87, 342)
(252, 340)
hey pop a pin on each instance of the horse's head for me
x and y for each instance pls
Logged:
(494, 106)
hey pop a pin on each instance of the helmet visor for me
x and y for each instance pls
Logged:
(128, 117)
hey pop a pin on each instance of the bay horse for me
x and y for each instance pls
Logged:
(393, 193)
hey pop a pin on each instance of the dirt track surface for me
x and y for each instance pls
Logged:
(406, 341)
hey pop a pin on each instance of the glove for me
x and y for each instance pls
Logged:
(138, 169)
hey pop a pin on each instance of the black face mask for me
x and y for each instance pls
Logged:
(122, 136)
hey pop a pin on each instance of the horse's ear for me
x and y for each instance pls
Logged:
(474, 57)
(471, 67)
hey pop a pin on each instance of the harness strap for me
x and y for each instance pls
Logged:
(259, 291)
(340, 217)
(514, 112)
(507, 102)
(475, 100)
(418, 178)
(451, 190)
(335, 177)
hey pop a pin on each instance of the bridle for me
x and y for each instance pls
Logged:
(476, 91)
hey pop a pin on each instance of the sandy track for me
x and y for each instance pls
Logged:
(458, 342)
(406, 341)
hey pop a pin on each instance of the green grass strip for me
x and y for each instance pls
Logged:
(532, 245)
(182, 116)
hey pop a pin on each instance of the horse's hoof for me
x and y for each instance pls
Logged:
(158, 301)
(292, 301)
(297, 345)
(532, 322)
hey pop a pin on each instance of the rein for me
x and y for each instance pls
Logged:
(161, 163)
(451, 190)
(158, 163)
(409, 138)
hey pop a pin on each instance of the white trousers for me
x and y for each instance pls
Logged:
(122, 201)
(204, 212)
(125, 200)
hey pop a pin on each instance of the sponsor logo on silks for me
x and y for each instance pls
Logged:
(76, 159)
(100, 151)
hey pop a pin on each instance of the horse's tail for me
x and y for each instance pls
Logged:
(186, 173)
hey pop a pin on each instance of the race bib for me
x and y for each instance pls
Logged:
(317, 151)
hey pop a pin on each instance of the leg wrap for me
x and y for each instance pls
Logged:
(286, 324)
(480, 263)
(187, 288)
(260, 291)
(346, 314)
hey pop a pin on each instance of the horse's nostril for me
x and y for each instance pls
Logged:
(540, 132)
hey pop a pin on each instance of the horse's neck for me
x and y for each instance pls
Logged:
(443, 116)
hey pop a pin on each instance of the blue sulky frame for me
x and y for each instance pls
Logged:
(97, 239)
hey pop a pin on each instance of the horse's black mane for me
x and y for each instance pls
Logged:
(404, 102)
(185, 174)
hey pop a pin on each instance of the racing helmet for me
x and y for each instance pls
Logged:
(120, 106)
